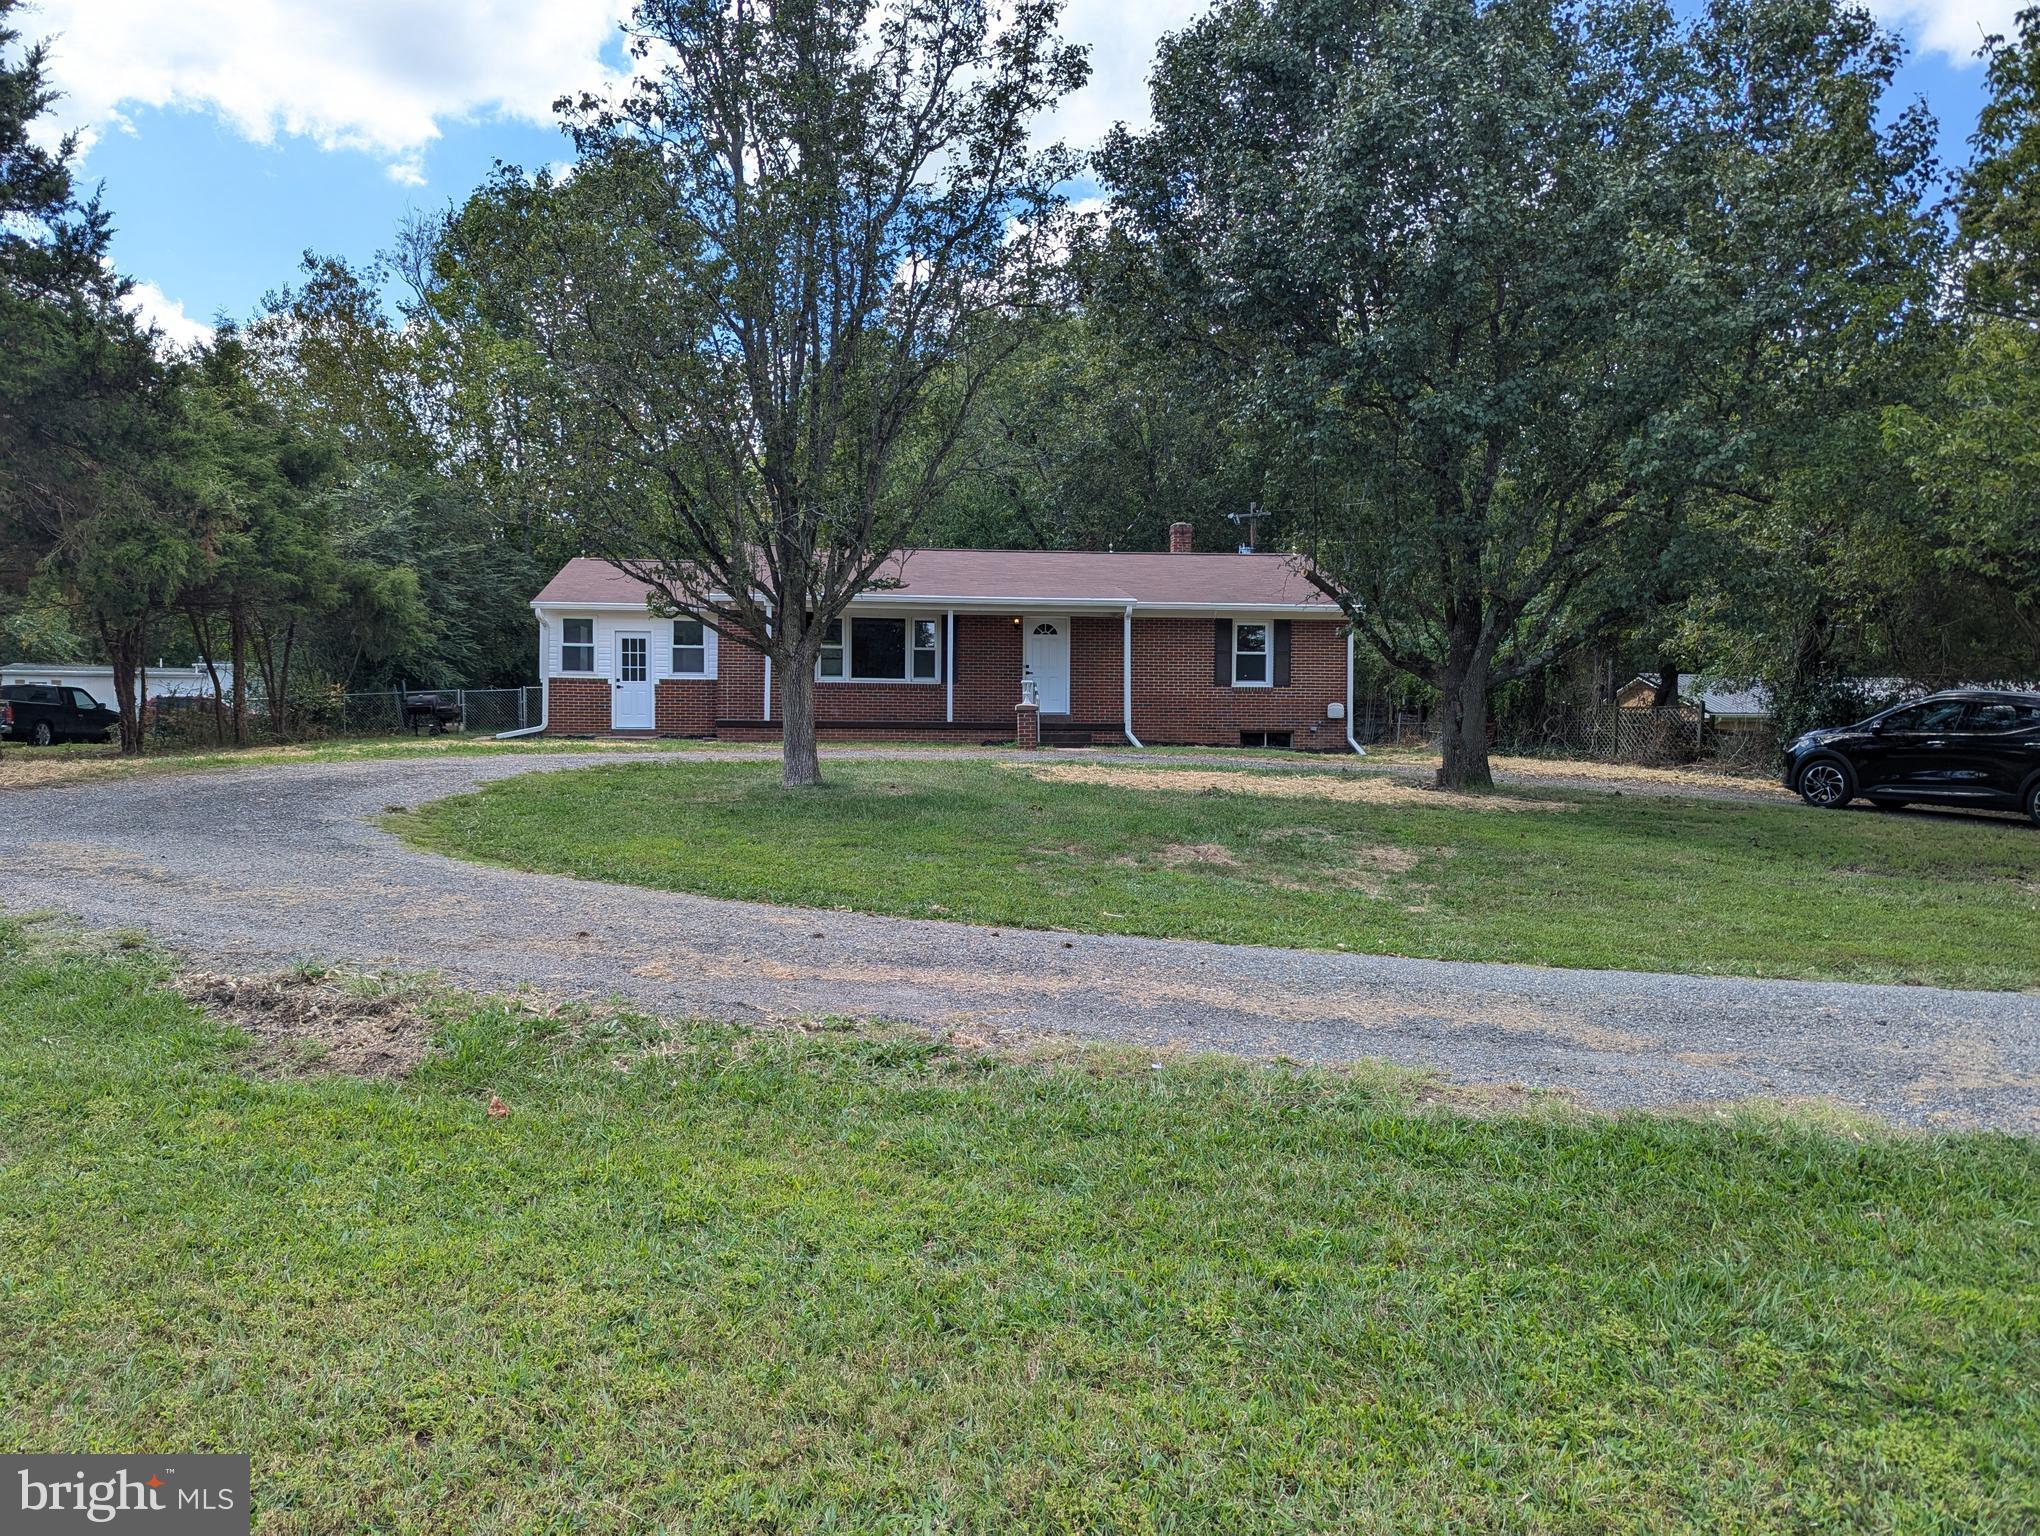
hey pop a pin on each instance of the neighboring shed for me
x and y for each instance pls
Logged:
(1729, 706)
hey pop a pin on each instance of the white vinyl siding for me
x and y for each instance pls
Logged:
(606, 627)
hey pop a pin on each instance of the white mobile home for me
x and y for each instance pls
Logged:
(162, 682)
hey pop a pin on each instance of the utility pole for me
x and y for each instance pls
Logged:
(1248, 519)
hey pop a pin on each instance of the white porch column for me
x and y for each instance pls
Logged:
(1126, 676)
(767, 715)
(949, 667)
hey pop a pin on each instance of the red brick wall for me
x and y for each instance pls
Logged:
(740, 680)
(970, 733)
(684, 706)
(987, 668)
(576, 706)
(987, 684)
(1175, 702)
(1095, 670)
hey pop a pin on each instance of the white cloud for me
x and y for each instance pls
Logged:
(1121, 36)
(379, 76)
(153, 307)
(383, 76)
(1955, 28)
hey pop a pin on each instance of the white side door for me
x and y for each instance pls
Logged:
(630, 695)
(1047, 654)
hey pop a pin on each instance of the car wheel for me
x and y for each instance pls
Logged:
(1824, 784)
(42, 735)
(2033, 804)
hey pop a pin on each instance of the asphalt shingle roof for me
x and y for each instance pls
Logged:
(1031, 575)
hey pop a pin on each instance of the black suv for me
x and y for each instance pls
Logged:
(1967, 746)
(45, 712)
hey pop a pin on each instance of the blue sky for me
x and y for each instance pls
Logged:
(233, 135)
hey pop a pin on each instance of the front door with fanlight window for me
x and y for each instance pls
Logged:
(630, 694)
(1047, 654)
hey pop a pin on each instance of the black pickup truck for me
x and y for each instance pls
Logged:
(40, 713)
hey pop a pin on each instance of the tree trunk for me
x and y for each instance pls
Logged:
(275, 679)
(800, 759)
(1463, 687)
(124, 650)
(279, 706)
(204, 641)
(237, 624)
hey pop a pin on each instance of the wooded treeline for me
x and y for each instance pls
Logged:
(1539, 330)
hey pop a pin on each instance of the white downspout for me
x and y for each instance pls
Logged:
(767, 701)
(949, 669)
(1126, 676)
(1351, 740)
(544, 687)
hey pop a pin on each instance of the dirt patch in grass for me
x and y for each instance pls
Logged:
(1368, 870)
(1622, 775)
(1384, 859)
(26, 768)
(1585, 773)
(1301, 834)
(303, 1023)
(1352, 788)
(1178, 854)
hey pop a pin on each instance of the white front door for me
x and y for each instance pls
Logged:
(1047, 655)
(630, 700)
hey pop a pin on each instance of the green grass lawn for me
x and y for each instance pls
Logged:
(705, 1280)
(1623, 881)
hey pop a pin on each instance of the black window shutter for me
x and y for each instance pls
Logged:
(1282, 653)
(1221, 653)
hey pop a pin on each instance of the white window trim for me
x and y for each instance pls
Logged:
(593, 649)
(707, 674)
(909, 680)
(1267, 653)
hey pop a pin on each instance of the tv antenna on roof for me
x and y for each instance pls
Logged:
(1249, 518)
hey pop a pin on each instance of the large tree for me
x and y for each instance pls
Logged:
(441, 524)
(768, 297)
(65, 347)
(1977, 447)
(86, 412)
(1516, 280)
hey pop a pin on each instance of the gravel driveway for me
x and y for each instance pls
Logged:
(256, 867)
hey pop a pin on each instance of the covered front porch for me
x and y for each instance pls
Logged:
(952, 674)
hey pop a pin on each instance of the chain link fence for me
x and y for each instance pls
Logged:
(1682, 733)
(480, 711)
(323, 714)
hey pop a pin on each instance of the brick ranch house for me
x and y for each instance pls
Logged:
(1176, 648)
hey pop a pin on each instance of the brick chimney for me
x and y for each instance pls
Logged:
(1179, 538)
